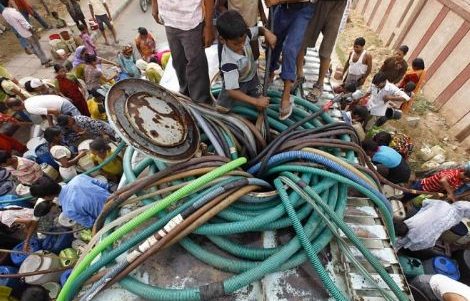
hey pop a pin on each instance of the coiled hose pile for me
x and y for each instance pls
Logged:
(299, 181)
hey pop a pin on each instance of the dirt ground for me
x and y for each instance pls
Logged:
(432, 128)
(10, 45)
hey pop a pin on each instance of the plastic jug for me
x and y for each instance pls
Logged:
(14, 283)
(442, 265)
(17, 258)
(34, 263)
(56, 243)
(53, 288)
(65, 275)
(412, 267)
(68, 257)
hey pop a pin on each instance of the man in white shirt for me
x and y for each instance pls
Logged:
(25, 30)
(383, 95)
(189, 29)
(100, 12)
(45, 105)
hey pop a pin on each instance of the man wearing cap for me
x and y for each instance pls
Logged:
(39, 87)
(82, 199)
(44, 105)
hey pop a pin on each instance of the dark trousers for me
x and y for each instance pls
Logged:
(190, 62)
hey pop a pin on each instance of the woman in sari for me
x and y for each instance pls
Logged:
(70, 87)
(416, 75)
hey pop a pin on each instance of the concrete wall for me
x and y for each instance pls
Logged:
(439, 32)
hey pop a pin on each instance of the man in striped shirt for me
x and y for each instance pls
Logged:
(446, 181)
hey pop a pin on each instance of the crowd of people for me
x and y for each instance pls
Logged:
(72, 110)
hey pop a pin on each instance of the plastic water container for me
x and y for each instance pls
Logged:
(399, 212)
(412, 267)
(50, 171)
(442, 265)
(68, 257)
(44, 156)
(53, 288)
(17, 258)
(465, 239)
(14, 283)
(56, 243)
(455, 233)
(35, 263)
(65, 275)
(4, 201)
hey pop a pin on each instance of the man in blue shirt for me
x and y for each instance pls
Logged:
(390, 164)
(82, 199)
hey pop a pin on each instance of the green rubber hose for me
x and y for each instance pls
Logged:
(129, 226)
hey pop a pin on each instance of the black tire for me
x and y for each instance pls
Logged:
(144, 5)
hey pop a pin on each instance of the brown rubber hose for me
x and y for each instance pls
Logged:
(194, 221)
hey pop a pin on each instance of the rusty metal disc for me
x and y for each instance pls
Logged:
(152, 120)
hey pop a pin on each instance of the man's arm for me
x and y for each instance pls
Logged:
(369, 67)
(31, 226)
(346, 64)
(155, 15)
(92, 12)
(449, 190)
(107, 10)
(208, 31)
(260, 102)
(18, 93)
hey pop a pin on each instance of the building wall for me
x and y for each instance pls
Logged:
(439, 32)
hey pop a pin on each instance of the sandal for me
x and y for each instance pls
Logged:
(316, 92)
(285, 113)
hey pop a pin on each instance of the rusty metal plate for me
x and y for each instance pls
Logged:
(152, 120)
(156, 119)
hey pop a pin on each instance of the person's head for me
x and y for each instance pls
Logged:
(359, 44)
(68, 66)
(401, 52)
(82, 28)
(418, 64)
(232, 30)
(45, 188)
(143, 32)
(60, 70)
(42, 207)
(15, 104)
(35, 86)
(383, 138)
(53, 135)
(5, 158)
(55, 15)
(99, 147)
(401, 229)
(154, 60)
(465, 175)
(379, 80)
(65, 120)
(36, 293)
(370, 147)
(91, 59)
(359, 114)
(127, 50)
(350, 87)
(410, 87)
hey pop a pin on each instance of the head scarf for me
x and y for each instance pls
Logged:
(78, 53)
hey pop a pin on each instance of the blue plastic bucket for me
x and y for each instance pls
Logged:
(56, 243)
(17, 258)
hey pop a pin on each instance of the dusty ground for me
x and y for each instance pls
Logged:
(11, 46)
(432, 128)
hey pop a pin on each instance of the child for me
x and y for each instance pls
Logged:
(127, 61)
(241, 83)
(101, 151)
(59, 22)
(24, 170)
(90, 47)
